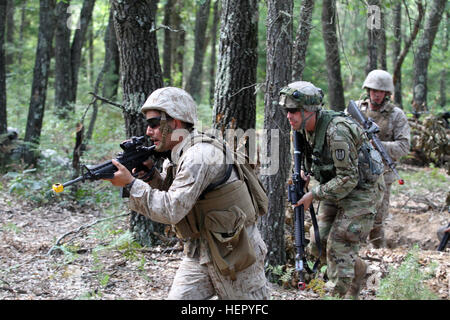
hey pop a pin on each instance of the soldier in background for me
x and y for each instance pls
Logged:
(394, 135)
(350, 183)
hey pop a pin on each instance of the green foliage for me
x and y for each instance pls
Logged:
(406, 282)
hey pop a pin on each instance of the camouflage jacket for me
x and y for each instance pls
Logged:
(394, 131)
(343, 138)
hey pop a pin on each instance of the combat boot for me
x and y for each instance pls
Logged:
(360, 273)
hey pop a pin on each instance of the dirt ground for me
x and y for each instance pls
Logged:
(28, 270)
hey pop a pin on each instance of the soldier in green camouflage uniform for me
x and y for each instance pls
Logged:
(347, 192)
(394, 135)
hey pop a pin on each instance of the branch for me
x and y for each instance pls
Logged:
(402, 56)
(108, 101)
(58, 242)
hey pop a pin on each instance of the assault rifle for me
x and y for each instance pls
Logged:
(444, 240)
(134, 153)
(372, 129)
(295, 193)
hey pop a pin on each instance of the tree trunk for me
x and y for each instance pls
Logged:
(234, 97)
(23, 22)
(40, 78)
(77, 46)
(382, 41)
(373, 32)
(178, 40)
(212, 66)
(443, 80)
(194, 83)
(278, 75)
(335, 87)
(302, 39)
(10, 28)
(167, 53)
(3, 113)
(141, 74)
(402, 55)
(63, 74)
(423, 55)
(397, 46)
(111, 62)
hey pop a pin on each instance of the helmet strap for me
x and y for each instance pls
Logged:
(304, 120)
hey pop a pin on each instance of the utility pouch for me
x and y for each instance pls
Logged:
(230, 247)
(370, 164)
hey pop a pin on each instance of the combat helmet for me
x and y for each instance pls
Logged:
(175, 102)
(303, 95)
(379, 80)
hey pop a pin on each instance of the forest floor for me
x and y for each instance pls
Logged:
(92, 266)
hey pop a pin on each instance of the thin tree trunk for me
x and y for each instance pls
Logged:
(3, 113)
(234, 97)
(77, 45)
(443, 80)
(373, 32)
(167, 53)
(423, 55)
(10, 29)
(382, 41)
(178, 41)
(23, 22)
(141, 75)
(63, 70)
(302, 39)
(40, 78)
(335, 87)
(212, 66)
(278, 75)
(397, 46)
(194, 83)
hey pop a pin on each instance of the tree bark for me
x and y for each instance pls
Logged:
(167, 53)
(397, 46)
(141, 74)
(10, 29)
(63, 70)
(212, 66)
(302, 39)
(423, 55)
(373, 32)
(335, 87)
(382, 41)
(40, 79)
(234, 97)
(178, 41)
(3, 113)
(443, 80)
(278, 75)
(194, 82)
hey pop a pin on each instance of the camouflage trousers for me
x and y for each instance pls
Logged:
(376, 235)
(195, 281)
(343, 225)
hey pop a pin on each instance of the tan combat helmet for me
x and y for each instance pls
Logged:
(301, 94)
(175, 102)
(379, 80)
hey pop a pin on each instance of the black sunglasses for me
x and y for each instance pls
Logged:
(292, 110)
(154, 122)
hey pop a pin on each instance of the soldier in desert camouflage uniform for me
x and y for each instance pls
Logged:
(177, 196)
(347, 191)
(394, 135)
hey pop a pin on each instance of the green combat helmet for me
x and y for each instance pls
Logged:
(303, 95)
